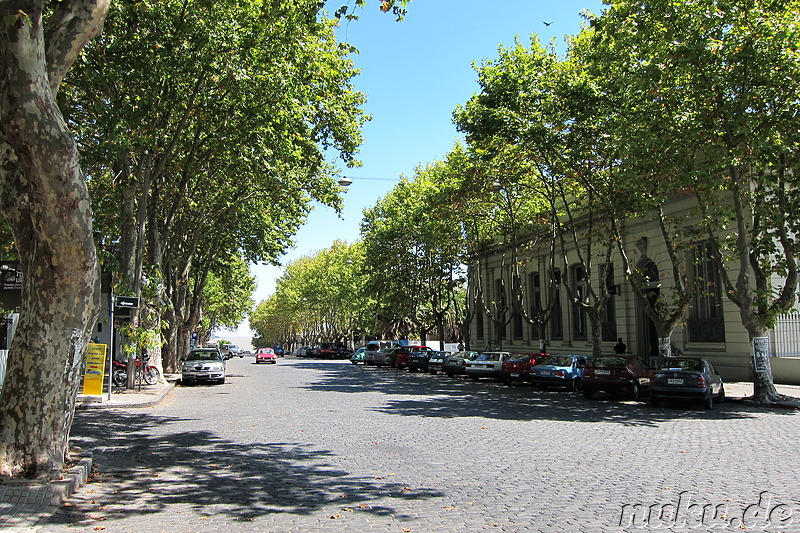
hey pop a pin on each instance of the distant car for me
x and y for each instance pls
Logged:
(559, 371)
(266, 355)
(687, 378)
(456, 364)
(436, 361)
(203, 365)
(420, 359)
(359, 356)
(231, 350)
(616, 374)
(279, 350)
(386, 356)
(486, 365)
(518, 366)
(370, 351)
(403, 355)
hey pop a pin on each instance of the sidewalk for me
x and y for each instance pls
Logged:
(24, 504)
(144, 396)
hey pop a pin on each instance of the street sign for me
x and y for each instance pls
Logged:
(127, 302)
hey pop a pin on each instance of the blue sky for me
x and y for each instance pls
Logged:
(414, 74)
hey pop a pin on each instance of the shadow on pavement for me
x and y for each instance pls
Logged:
(441, 396)
(212, 476)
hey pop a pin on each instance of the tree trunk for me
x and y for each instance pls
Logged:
(46, 203)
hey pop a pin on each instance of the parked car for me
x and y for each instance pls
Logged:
(403, 355)
(456, 364)
(327, 350)
(266, 355)
(486, 365)
(517, 367)
(687, 378)
(279, 350)
(231, 350)
(203, 365)
(420, 359)
(386, 356)
(371, 350)
(359, 356)
(436, 361)
(300, 351)
(616, 374)
(559, 371)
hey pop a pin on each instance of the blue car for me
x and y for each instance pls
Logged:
(559, 371)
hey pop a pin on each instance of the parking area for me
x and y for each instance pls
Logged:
(329, 446)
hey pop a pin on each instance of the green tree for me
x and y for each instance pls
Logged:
(45, 201)
(713, 90)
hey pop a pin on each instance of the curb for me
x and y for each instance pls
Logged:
(82, 405)
(778, 405)
(53, 492)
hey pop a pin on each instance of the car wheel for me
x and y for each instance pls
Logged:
(588, 393)
(634, 392)
(433, 372)
(354, 362)
(654, 401)
(221, 381)
(708, 401)
(542, 386)
(507, 382)
(575, 386)
(475, 378)
(721, 395)
(450, 375)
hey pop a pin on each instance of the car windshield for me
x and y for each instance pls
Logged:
(680, 364)
(203, 356)
(610, 361)
(519, 357)
(489, 356)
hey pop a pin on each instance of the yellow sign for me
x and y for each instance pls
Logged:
(95, 369)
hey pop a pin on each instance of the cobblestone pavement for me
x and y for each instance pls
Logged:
(306, 446)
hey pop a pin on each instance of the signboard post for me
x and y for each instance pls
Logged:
(761, 354)
(95, 369)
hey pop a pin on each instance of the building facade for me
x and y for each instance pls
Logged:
(711, 327)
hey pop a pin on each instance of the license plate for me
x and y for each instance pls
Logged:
(545, 373)
(603, 372)
(672, 381)
(515, 374)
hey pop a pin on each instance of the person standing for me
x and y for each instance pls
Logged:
(620, 347)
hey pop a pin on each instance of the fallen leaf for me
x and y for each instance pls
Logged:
(347, 509)
(449, 508)
(335, 516)
(363, 506)
(378, 477)
(484, 427)
(99, 528)
(203, 518)
(393, 473)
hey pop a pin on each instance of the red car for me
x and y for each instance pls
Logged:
(518, 366)
(405, 351)
(266, 355)
(616, 374)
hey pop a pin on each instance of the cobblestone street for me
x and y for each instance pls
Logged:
(310, 445)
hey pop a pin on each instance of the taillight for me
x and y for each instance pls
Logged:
(587, 372)
(701, 382)
(560, 373)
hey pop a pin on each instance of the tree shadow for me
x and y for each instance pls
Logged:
(444, 397)
(211, 475)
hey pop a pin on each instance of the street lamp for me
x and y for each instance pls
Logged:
(345, 181)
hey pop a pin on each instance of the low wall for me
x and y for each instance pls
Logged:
(786, 370)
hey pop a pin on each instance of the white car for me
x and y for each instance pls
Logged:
(486, 365)
(203, 365)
